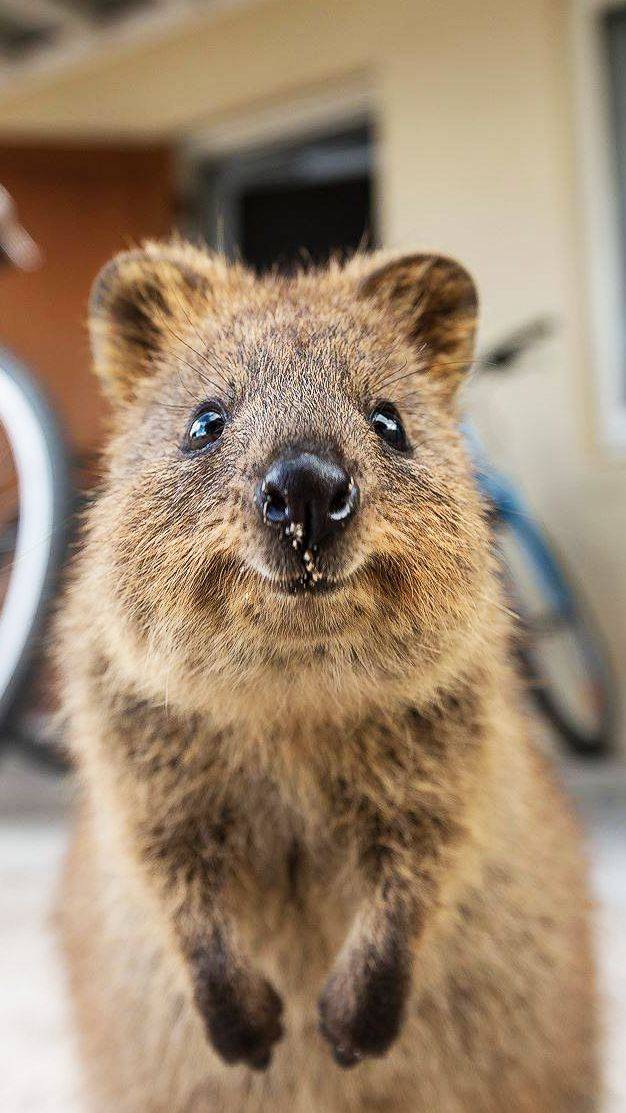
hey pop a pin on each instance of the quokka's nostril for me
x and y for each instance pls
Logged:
(274, 506)
(343, 504)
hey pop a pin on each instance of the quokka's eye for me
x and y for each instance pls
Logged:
(386, 423)
(205, 427)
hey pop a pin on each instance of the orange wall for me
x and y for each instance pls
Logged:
(81, 204)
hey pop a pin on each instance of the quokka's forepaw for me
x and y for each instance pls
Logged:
(244, 1026)
(361, 1011)
(342, 1046)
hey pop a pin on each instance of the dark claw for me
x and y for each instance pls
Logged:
(345, 1058)
(261, 1061)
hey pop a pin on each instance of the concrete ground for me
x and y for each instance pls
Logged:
(39, 1073)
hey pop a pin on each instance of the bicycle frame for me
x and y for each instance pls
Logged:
(510, 508)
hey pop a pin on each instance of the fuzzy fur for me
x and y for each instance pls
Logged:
(314, 834)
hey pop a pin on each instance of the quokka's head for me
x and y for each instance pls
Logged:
(286, 486)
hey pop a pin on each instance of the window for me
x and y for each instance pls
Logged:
(273, 203)
(600, 46)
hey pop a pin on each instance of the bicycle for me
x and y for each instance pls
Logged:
(557, 643)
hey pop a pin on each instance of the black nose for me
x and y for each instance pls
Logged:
(310, 498)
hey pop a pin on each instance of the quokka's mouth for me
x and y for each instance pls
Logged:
(306, 585)
(308, 578)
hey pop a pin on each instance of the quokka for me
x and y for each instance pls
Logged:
(319, 866)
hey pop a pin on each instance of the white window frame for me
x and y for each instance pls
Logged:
(603, 235)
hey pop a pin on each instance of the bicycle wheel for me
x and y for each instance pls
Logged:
(559, 647)
(34, 503)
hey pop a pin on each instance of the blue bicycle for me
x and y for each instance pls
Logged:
(557, 643)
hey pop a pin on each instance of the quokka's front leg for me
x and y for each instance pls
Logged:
(404, 850)
(189, 870)
(241, 1010)
(189, 844)
(362, 1006)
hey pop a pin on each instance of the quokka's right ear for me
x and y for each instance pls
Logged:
(140, 302)
(434, 302)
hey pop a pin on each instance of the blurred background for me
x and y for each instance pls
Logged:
(491, 130)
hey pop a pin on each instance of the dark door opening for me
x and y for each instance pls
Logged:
(287, 203)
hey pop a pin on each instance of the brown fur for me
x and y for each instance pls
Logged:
(313, 824)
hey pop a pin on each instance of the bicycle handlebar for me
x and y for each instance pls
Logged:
(516, 344)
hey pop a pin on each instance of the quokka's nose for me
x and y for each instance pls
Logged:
(309, 498)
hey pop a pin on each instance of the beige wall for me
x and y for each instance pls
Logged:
(473, 104)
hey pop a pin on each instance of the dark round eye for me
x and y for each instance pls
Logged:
(206, 427)
(386, 423)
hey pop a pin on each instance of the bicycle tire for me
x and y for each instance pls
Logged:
(23, 403)
(573, 616)
(587, 744)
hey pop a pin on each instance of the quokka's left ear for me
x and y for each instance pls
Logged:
(140, 301)
(435, 304)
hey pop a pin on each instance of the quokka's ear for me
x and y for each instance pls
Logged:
(139, 302)
(434, 301)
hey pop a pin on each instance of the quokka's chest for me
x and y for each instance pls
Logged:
(295, 850)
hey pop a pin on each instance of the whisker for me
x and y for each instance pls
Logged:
(193, 368)
(400, 377)
(206, 379)
(203, 356)
(384, 366)
(181, 339)
(442, 367)
(221, 387)
(227, 386)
